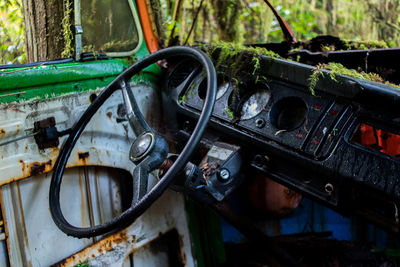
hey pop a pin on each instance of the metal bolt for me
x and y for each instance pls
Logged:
(224, 175)
(329, 188)
(260, 123)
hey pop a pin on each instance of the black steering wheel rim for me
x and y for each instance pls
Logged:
(138, 208)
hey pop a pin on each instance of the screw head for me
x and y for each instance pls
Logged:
(224, 175)
(260, 123)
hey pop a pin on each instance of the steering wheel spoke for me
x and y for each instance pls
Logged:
(135, 117)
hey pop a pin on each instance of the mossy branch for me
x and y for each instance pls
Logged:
(67, 31)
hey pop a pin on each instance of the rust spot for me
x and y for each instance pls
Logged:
(83, 203)
(109, 114)
(2, 131)
(23, 165)
(83, 156)
(182, 248)
(37, 168)
(101, 247)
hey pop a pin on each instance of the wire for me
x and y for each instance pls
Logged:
(18, 138)
(44, 131)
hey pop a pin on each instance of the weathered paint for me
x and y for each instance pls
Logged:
(158, 220)
(23, 159)
(87, 195)
(32, 235)
(112, 243)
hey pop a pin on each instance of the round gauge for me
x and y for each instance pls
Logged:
(222, 88)
(254, 104)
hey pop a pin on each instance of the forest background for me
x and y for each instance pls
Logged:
(240, 21)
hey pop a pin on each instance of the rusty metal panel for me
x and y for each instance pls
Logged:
(90, 193)
(31, 234)
(166, 214)
(35, 240)
(23, 158)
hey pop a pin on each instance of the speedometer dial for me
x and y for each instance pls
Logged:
(254, 104)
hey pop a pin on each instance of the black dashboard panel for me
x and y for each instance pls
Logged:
(314, 131)
(306, 139)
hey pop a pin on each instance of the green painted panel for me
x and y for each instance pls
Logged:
(50, 74)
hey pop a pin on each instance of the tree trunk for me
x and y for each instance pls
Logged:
(330, 26)
(43, 29)
(227, 17)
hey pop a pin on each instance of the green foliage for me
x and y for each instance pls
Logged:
(248, 21)
(12, 46)
(354, 20)
(304, 22)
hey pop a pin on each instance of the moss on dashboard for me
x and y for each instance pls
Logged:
(238, 58)
(337, 68)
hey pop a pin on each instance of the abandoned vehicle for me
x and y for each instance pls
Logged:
(133, 154)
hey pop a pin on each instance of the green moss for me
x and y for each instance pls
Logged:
(182, 99)
(337, 68)
(238, 57)
(256, 64)
(314, 78)
(229, 112)
(190, 92)
(362, 45)
(67, 31)
(132, 59)
(83, 264)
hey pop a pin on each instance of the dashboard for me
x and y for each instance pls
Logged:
(308, 142)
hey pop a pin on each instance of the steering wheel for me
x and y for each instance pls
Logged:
(148, 151)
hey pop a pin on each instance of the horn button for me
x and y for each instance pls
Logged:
(142, 146)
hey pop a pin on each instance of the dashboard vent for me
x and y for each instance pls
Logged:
(180, 73)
